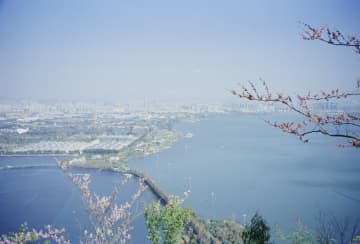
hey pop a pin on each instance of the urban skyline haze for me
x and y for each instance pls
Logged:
(169, 50)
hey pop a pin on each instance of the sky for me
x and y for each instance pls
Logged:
(191, 50)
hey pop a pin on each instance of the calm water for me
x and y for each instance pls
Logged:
(236, 165)
(42, 196)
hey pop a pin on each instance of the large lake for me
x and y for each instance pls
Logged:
(236, 165)
(45, 195)
(233, 165)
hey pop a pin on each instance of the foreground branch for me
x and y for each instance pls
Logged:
(331, 37)
(329, 124)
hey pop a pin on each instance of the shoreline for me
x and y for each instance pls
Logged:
(195, 223)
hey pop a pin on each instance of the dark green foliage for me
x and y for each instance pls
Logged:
(166, 222)
(227, 231)
(258, 232)
(153, 222)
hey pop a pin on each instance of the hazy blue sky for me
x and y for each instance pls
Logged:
(135, 50)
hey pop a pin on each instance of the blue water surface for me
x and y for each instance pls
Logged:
(42, 196)
(238, 165)
(234, 166)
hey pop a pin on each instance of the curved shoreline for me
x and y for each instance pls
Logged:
(197, 226)
(195, 223)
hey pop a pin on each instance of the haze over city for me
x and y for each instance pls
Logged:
(128, 51)
(177, 122)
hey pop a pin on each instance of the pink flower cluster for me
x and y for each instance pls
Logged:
(34, 235)
(329, 124)
(110, 220)
(82, 181)
(330, 37)
(63, 165)
(178, 200)
(142, 188)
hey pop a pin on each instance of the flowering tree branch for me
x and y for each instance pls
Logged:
(336, 124)
(330, 124)
(110, 221)
(331, 37)
(26, 236)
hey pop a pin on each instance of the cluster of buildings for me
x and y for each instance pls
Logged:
(41, 128)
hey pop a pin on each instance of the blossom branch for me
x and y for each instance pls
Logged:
(301, 105)
(331, 37)
(24, 236)
(110, 220)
